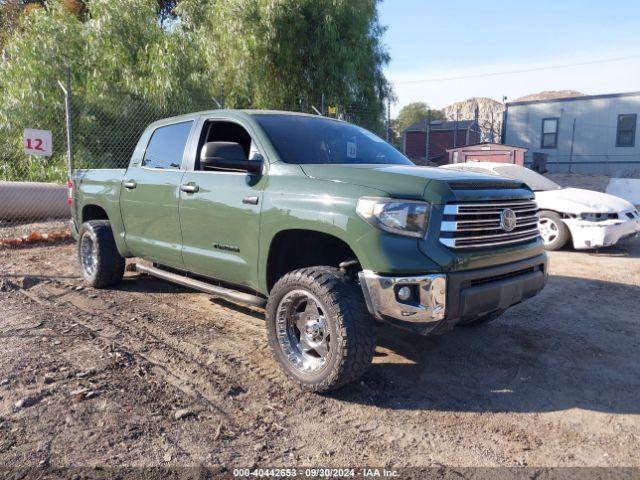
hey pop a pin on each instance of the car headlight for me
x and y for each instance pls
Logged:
(403, 217)
(597, 217)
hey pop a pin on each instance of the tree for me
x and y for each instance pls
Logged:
(129, 68)
(413, 113)
(288, 55)
(10, 15)
(126, 72)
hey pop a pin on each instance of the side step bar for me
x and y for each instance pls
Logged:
(227, 293)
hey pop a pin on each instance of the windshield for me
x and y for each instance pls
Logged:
(535, 181)
(301, 139)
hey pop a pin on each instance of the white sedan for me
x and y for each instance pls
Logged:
(591, 219)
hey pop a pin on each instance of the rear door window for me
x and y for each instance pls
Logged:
(166, 147)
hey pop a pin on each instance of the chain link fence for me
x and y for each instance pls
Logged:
(33, 189)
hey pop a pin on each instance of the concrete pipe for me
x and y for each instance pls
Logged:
(32, 201)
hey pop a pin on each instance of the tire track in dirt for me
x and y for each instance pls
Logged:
(165, 366)
(242, 341)
(238, 347)
(237, 360)
(171, 359)
(242, 330)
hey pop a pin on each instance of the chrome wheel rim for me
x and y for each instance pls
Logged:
(303, 331)
(549, 230)
(88, 255)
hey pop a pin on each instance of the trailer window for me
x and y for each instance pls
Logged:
(626, 132)
(549, 133)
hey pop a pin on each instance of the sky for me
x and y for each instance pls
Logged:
(431, 42)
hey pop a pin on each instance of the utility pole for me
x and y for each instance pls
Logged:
(503, 127)
(427, 132)
(455, 128)
(476, 126)
(491, 132)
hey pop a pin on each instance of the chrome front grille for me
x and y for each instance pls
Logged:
(480, 224)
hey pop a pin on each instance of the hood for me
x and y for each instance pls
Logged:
(578, 200)
(399, 180)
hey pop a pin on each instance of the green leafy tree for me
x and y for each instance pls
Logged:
(413, 113)
(126, 72)
(10, 16)
(290, 54)
(134, 61)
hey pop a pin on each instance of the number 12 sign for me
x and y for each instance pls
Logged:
(37, 142)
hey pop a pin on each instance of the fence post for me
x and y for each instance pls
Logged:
(66, 89)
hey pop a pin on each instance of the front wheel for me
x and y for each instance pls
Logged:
(555, 234)
(319, 329)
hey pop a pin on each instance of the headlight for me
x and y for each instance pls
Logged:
(597, 217)
(404, 217)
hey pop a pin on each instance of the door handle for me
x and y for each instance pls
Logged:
(130, 184)
(250, 200)
(187, 188)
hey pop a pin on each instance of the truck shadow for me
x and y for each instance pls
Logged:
(146, 284)
(577, 345)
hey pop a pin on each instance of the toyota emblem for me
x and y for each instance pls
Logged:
(508, 219)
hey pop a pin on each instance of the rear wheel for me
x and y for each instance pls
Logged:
(318, 328)
(553, 230)
(100, 263)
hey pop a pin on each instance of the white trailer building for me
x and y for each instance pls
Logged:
(586, 134)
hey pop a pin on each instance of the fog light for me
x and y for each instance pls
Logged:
(404, 293)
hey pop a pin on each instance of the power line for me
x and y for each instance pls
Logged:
(524, 70)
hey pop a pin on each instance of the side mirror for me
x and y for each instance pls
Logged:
(228, 156)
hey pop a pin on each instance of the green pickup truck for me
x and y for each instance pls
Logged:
(319, 221)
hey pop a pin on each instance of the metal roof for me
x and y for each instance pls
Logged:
(493, 147)
(572, 99)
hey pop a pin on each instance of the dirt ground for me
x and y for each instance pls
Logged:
(151, 374)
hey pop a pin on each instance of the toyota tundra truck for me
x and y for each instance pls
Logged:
(326, 226)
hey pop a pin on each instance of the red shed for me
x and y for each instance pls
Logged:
(442, 135)
(487, 152)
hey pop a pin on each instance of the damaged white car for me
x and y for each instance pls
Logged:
(590, 219)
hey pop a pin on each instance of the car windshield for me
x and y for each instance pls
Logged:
(534, 180)
(303, 139)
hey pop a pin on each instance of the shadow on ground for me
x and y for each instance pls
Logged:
(577, 345)
(546, 354)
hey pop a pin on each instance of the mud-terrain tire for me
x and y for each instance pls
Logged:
(476, 322)
(329, 308)
(555, 233)
(100, 263)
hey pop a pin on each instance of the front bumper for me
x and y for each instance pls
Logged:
(427, 306)
(601, 234)
(443, 301)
